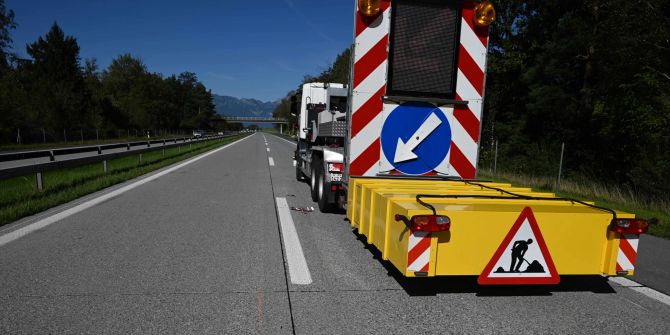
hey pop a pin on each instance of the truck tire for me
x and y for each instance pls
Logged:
(323, 189)
(313, 180)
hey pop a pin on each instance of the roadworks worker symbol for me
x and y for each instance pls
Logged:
(522, 258)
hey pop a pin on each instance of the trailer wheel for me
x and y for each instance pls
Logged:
(324, 194)
(313, 181)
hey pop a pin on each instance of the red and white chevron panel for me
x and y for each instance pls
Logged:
(369, 85)
(418, 251)
(470, 78)
(627, 255)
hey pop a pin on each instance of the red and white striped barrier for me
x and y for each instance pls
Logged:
(627, 255)
(418, 251)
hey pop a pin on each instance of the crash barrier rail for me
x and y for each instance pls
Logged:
(53, 164)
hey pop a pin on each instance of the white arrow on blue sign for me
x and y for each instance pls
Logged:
(416, 137)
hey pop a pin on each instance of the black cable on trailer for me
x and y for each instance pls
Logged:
(511, 196)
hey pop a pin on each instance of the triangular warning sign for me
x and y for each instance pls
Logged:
(522, 258)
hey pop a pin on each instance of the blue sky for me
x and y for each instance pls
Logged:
(244, 48)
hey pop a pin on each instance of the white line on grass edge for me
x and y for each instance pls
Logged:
(23, 231)
(637, 287)
(297, 265)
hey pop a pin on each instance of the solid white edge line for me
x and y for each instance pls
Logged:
(297, 265)
(647, 291)
(23, 231)
(271, 161)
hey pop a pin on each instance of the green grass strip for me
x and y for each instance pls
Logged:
(20, 198)
(606, 196)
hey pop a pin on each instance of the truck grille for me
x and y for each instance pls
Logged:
(424, 43)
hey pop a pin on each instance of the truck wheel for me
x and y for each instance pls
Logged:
(313, 181)
(324, 194)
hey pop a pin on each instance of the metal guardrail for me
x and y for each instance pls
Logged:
(52, 153)
(40, 168)
(251, 119)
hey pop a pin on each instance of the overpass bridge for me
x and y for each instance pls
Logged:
(240, 119)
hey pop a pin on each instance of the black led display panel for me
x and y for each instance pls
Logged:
(424, 45)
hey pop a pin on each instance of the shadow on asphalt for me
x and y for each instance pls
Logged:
(468, 284)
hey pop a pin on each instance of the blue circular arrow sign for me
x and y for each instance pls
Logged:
(416, 137)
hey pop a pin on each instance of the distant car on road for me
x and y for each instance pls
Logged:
(198, 133)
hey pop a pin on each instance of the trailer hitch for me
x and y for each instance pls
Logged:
(404, 220)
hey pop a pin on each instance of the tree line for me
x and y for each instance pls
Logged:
(54, 92)
(592, 74)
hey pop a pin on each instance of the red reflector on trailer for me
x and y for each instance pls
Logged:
(430, 223)
(333, 187)
(630, 226)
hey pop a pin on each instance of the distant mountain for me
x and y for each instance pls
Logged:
(231, 106)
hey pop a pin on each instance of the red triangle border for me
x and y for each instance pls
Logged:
(554, 278)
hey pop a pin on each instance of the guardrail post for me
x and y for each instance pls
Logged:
(104, 166)
(52, 157)
(148, 144)
(127, 146)
(40, 182)
(99, 150)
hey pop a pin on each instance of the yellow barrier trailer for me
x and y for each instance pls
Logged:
(409, 175)
(579, 237)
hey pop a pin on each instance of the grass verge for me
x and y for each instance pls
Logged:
(610, 196)
(19, 197)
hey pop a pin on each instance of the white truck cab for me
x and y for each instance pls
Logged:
(320, 146)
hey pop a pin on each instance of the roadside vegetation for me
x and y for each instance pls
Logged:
(20, 198)
(617, 197)
(54, 96)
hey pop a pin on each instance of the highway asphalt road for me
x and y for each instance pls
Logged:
(200, 250)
